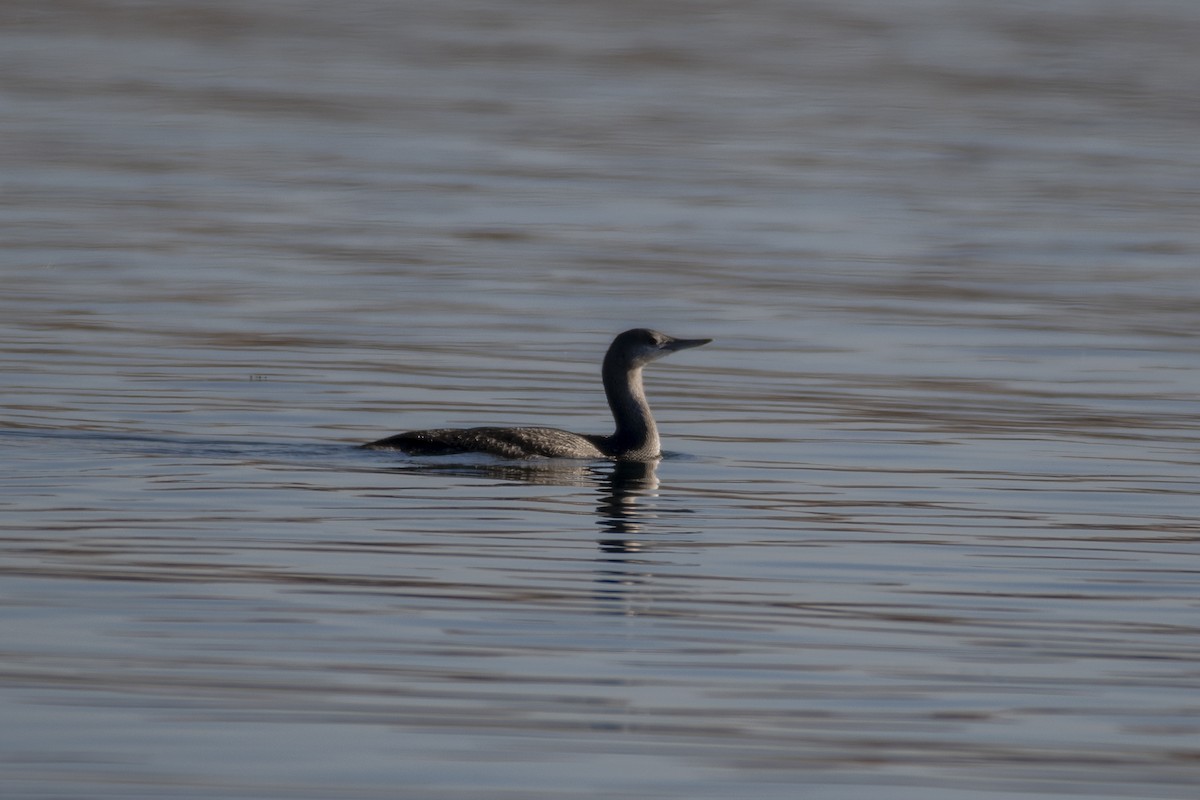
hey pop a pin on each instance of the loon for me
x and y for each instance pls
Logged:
(635, 437)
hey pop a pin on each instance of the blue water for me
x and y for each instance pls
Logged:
(927, 524)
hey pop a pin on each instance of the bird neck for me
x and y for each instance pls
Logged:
(636, 433)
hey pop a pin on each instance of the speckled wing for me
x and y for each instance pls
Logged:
(502, 442)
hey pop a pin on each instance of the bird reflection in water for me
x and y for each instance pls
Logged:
(619, 489)
(622, 515)
(625, 511)
(618, 511)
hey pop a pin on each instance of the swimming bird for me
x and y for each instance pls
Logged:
(635, 437)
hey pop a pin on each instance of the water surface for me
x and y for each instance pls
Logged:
(928, 524)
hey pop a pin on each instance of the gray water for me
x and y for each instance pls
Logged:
(927, 527)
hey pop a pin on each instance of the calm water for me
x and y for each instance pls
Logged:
(929, 525)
